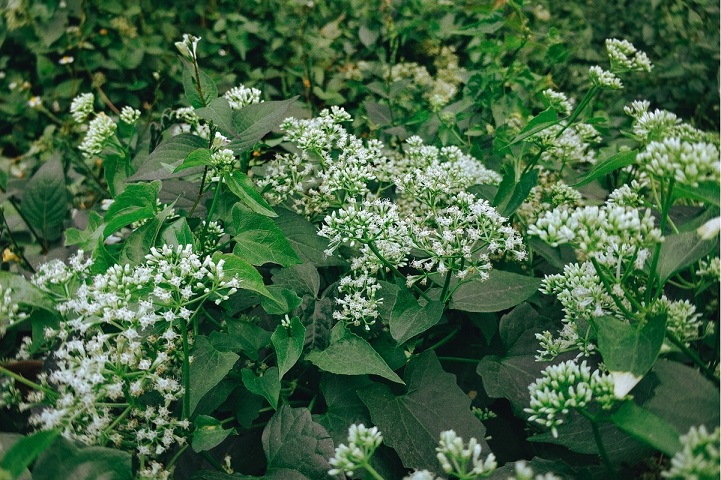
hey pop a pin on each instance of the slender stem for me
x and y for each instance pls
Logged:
(119, 419)
(186, 369)
(28, 383)
(694, 356)
(606, 285)
(445, 339)
(667, 199)
(177, 455)
(212, 461)
(372, 471)
(597, 437)
(209, 215)
(197, 82)
(200, 192)
(459, 360)
(395, 270)
(446, 285)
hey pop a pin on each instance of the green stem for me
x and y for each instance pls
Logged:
(118, 419)
(395, 270)
(597, 437)
(16, 247)
(665, 207)
(209, 215)
(693, 356)
(445, 339)
(459, 360)
(186, 369)
(28, 383)
(606, 285)
(200, 192)
(372, 471)
(446, 285)
(177, 455)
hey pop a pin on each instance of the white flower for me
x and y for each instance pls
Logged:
(129, 115)
(188, 47)
(604, 79)
(100, 130)
(35, 102)
(66, 60)
(241, 96)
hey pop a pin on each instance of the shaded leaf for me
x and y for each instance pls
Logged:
(259, 240)
(627, 348)
(45, 200)
(512, 194)
(302, 279)
(303, 237)
(610, 164)
(243, 188)
(647, 427)
(344, 406)
(66, 460)
(208, 433)
(266, 385)
(252, 122)
(283, 301)
(540, 122)
(161, 164)
(500, 291)
(288, 343)
(234, 266)
(409, 318)
(209, 367)
(199, 91)
(136, 203)
(680, 251)
(25, 451)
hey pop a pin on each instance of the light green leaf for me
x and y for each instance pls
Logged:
(66, 460)
(243, 188)
(209, 367)
(190, 84)
(349, 354)
(610, 164)
(45, 200)
(208, 433)
(409, 318)
(86, 239)
(288, 343)
(136, 203)
(500, 291)
(219, 112)
(283, 301)
(160, 164)
(250, 279)
(680, 251)
(259, 240)
(628, 348)
(267, 385)
(197, 158)
(540, 122)
(512, 194)
(647, 427)
(24, 452)
(302, 279)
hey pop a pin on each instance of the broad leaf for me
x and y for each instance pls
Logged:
(288, 343)
(45, 200)
(242, 336)
(500, 291)
(252, 122)
(706, 192)
(66, 460)
(234, 266)
(412, 423)
(161, 164)
(349, 354)
(283, 301)
(302, 279)
(87, 239)
(197, 158)
(243, 188)
(409, 318)
(344, 406)
(647, 427)
(680, 251)
(259, 240)
(209, 367)
(136, 203)
(25, 451)
(25, 293)
(292, 440)
(266, 385)
(139, 243)
(628, 348)
(199, 91)
(303, 236)
(610, 164)
(512, 194)
(208, 433)
(379, 114)
(219, 112)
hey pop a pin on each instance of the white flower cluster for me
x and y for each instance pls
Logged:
(562, 145)
(686, 162)
(119, 344)
(625, 57)
(10, 313)
(558, 101)
(82, 106)
(566, 387)
(710, 269)
(604, 79)
(682, 319)
(100, 130)
(129, 115)
(362, 442)
(241, 96)
(525, 472)
(699, 458)
(189, 122)
(461, 460)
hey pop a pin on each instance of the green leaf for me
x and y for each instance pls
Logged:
(409, 318)
(243, 188)
(139, 243)
(542, 121)
(190, 84)
(288, 343)
(292, 440)
(303, 237)
(242, 336)
(25, 451)
(87, 239)
(253, 122)
(136, 203)
(302, 279)
(344, 406)
(680, 251)
(66, 460)
(647, 427)
(380, 115)
(209, 367)
(160, 164)
(25, 293)
(610, 164)
(283, 301)
(45, 200)
(628, 348)
(177, 233)
(197, 158)
(706, 192)
(500, 291)
(267, 385)
(512, 194)
(411, 423)
(349, 354)
(208, 433)
(219, 112)
(259, 240)
(234, 266)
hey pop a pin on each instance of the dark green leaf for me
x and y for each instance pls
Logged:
(243, 188)
(208, 433)
(252, 122)
(706, 192)
(25, 451)
(344, 405)
(288, 343)
(87, 239)
(199, 91)
(303, 237)
(259, 240)
(292, 440)
(283, 301)
(177, 233)
(349, 354)
(628, 348)
(542, 121)
(647, 427)
(197, 158)
(209, 367)
(242, 336)
(267, 385)
(610, 164)
(219, 112)
(512, 194)
(161, 164)
(234, 266)
(45, 200)
(302, 279)
(66, 460)
(680, 251)
(136, 203)
(318, 323)
(409, 318)
(412, 423)
(500, 291)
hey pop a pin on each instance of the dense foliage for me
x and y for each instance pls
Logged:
(391, 239)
